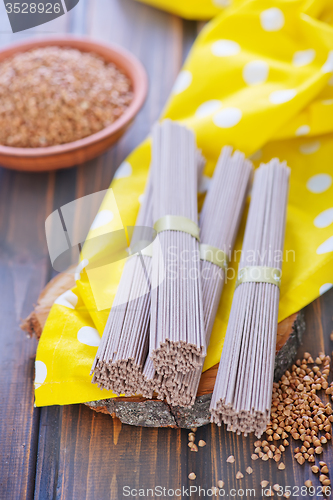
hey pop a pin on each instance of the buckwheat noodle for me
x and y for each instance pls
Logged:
(243, 388)
(124, 345)
(219, 222)
(177, 335)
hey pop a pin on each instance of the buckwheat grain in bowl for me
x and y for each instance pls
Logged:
(56, 95)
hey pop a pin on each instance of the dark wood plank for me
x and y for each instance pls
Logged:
(25, 202)
(23, 269)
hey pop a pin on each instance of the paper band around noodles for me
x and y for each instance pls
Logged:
(214, 255)
(259, 274)
(147, 250)
(177, 223)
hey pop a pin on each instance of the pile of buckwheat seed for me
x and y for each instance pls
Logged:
(53, 95)
(297, 412)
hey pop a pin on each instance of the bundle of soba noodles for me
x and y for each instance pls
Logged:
(150, 380)
(177, 334)
(243, 388)
(124, 345)
(219, 222)
(123, 350)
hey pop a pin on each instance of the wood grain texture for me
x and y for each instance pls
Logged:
(21, 276)
(70, 452)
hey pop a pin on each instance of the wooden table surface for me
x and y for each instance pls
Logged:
(72, 452)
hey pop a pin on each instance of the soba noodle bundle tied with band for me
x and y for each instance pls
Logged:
(243, 388)
(177, 335)
(123, 351)
(219, 222)
(124, 345)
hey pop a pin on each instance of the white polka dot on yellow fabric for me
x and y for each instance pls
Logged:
(141, 198)
(309, 147)
(327, 102)
(102, 218)
(328, 66)
(208, 108)
(282, 96)
(80, 268)
(124, 170)
(326, 246)
(89, 336)
(225, 48)
(319, 183)
(272, 19)
(255, 72)
(67, 299)
(303, 130)
(325, 287)
(227, 117)
(324, 219)
(303, 57)
(40, 373)
(183, 81)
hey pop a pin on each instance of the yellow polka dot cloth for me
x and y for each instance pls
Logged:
(260, 78)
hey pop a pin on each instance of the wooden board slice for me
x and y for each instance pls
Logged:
(153, 412)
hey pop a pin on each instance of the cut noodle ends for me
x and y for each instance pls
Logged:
(243, 388)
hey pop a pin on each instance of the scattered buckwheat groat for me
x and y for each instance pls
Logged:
(298, 412)
(191, 437)
(324, 480)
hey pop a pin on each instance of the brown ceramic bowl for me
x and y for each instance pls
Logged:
(72, 153)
